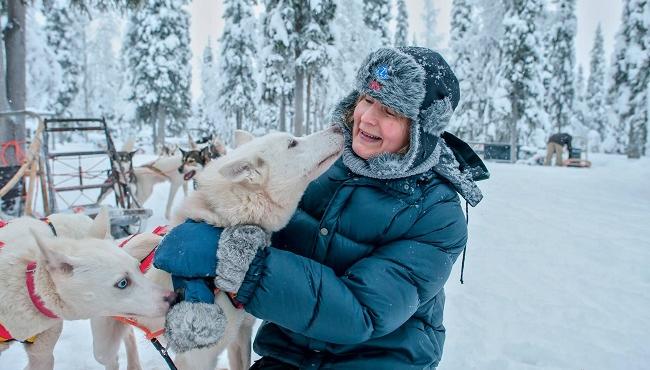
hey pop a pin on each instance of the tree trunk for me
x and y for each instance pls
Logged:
(238, 119)
(635, 139)
(298, 111)
(160, 134)
(308, 129)
(514, 137)
(4, 104)
(15, 77)
(86, 76)
(154, 132)
(282, 126)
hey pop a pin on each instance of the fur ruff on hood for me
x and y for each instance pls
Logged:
(404, 87)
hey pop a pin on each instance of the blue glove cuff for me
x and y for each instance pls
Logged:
(189, 250)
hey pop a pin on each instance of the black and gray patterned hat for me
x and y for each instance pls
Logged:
(415, 82)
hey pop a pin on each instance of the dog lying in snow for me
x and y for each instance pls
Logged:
(260, 182)
(79, 274)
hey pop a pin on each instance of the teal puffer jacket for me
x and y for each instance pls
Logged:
(355, 281)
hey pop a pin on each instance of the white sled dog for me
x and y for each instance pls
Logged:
(79, 274)
(260, 182)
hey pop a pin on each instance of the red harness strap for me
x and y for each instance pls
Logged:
(5, 335)
(36, 299)
(3, 223)
(145, 265)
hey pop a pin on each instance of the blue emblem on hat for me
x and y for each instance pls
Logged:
(382, 72)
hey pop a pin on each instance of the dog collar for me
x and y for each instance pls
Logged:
(50, 224)
(31, 289)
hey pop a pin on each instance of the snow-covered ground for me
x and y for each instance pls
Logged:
(557, 275)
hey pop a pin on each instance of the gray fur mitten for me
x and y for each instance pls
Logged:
(192, 325)
(237, 248)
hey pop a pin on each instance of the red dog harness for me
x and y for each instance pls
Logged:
(145, 265)
(5, 335)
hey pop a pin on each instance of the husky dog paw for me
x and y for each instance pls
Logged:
(192, 325)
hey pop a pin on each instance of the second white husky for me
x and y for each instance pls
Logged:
(260, 182)
(79, 274)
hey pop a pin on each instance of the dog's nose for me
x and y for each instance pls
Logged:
(171, 298)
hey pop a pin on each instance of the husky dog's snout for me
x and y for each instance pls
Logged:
(171, 298)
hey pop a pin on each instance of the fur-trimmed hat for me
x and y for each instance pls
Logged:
(417, 83)
(409, 80)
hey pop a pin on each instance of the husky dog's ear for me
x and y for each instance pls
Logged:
(242, 137)
(219, 146)
(141, 245)
(101, 227)
(132, 153)
(190, 140)
(250, 171)
(56, 262)
(182, 151)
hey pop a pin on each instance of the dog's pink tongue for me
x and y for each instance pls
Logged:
(189, 175)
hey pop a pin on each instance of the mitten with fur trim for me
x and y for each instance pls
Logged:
(237, 248)
(192, 325)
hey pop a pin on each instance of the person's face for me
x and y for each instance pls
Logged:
(377, 129)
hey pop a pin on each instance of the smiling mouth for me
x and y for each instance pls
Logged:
(367, 136)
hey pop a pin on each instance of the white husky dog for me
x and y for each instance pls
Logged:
(260, 182)
(79, 274)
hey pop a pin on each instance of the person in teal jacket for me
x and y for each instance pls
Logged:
(356, 279)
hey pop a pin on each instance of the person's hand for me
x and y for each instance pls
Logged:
(236, 250)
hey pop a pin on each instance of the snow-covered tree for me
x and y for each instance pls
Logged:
(562, 59)
(464, 30)
(276, 62)
(157, 46)
(210, 117)
(596, 111)
(237, 87)
(634, 103)
(522, 74)
(43, 70)
(578, 119)
(490, 85)
(376, 14)
(65, 28)
(315, 59)
(615, 140)
(103, 72)
(431, 39)
(402, 28)
(354, 40)
(307, 25)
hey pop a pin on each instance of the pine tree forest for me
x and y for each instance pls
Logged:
(281, 65)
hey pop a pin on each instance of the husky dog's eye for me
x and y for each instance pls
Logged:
(123, 284)
(293, 143)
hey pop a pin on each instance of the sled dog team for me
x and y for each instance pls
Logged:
(68, 267)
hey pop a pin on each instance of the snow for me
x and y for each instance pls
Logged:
(556, 275)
